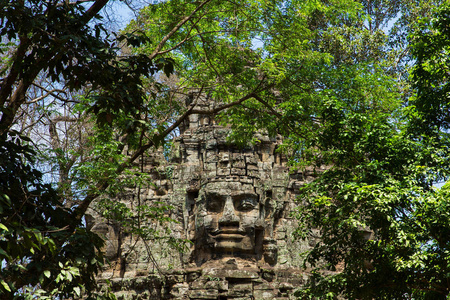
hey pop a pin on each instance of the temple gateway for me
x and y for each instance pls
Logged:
(229, 228)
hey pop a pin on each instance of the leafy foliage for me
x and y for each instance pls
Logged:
(44, 251)
(383, 226)
(430, 76)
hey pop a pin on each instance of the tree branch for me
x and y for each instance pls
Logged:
(8, 83)
(64, 119)
(93, 10)
(175, 29)
(48, 93)
(224, 106)
(74, 3)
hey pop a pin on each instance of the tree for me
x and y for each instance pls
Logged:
(46, 251)
(384, 226)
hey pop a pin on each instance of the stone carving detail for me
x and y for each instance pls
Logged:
(233, 209)
(234, 205)
(111, 235)
(229, 220)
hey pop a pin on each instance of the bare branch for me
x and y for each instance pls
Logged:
(74, 3)
(55, 143)
(57, 230)
(48, 93)
(64, 119)
(32, 124)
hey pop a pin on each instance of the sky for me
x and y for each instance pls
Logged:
(120, 13)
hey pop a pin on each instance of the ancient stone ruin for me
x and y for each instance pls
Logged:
(234, 206)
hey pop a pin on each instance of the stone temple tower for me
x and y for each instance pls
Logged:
(233, 207)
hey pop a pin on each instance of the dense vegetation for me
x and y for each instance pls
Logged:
(358, 86)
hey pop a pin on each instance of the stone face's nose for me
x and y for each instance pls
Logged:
(229, 214)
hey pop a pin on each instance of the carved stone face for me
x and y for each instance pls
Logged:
(230, 218)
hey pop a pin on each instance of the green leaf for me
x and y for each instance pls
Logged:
(5, 285)
(2, 226)
(77, 291)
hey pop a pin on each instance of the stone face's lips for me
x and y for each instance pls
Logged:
(228, 234)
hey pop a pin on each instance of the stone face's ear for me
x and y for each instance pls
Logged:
(110, 235)
(270, 251)
(90, 221)
(268, 204)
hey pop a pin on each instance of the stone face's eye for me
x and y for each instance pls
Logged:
(245, 202)
(246, 205)
(214, 204)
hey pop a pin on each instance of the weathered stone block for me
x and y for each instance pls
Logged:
(264, 286)
(211, 156)
(264, 294)
(240, 290)
(253, 173)
(212, 285)
(223, 285)
(252, 167)
(223, 171)
(203, 294)
(233, 274)
(250, 160)
(179, 290)
(197, 285)
(246, 286)
(173, 279)
(239, 172)
(211, 166)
